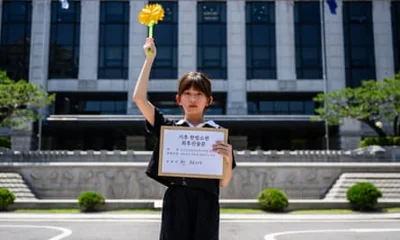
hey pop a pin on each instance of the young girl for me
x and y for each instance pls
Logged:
(190, 205)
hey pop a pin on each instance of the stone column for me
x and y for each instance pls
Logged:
(89, 40)
(23, 140)
(137, 37)
(335, 72)
(285, 43)
(1, 17)
(187, 42)
(350, 134)
(384, 61)
(236, 43)
(38, 68)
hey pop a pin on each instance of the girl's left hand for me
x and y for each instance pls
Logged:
(224, 149)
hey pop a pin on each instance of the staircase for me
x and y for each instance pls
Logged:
(16, 184)
(387, 183)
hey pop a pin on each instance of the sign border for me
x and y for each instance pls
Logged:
(206, 176)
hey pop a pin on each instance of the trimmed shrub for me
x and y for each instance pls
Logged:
(6, 198)
(363, 196)
(90, 201)
(272, 199)
(5, 142)
(396, 141)
(380, 141)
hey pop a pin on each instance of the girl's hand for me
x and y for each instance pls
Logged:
(223, 149)
(149, 44)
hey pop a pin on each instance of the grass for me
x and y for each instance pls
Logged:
(61, 210)
(396, 210)
(324, 211)
(223, 210)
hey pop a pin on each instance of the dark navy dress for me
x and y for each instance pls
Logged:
(190, 205)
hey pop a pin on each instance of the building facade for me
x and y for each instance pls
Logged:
(265, 58)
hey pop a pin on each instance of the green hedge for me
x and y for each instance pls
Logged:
(5, 142)
(6, 198)
(363, 196)
(380, 141)
(272, 199)
(90, 201)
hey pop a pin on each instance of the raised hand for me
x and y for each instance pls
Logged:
(150, 45)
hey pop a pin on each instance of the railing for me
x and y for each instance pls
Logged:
(371, 154)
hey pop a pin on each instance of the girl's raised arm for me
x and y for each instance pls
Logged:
(140, 93)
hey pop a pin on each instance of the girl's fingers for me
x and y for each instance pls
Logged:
(224, 146)
(221, 150)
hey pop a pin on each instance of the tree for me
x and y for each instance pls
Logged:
(370, 103)
(20, 100)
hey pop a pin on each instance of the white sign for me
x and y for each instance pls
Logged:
(187, 152)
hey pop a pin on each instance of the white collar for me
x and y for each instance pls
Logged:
(209, 122)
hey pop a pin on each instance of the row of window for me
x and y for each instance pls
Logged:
(116, 103)
(90, 103)
(113, 58)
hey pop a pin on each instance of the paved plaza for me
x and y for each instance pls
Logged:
(100, 226)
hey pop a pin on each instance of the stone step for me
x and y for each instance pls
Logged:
(343, 196)
(16, 184)
(388, 184)
(10, 176)
(5, 180)
(379, 185)
(25, 195)
(383, 190)
(13, 183)
(368, 180)
(370, 175)
(16, 188)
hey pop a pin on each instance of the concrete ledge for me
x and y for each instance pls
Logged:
(127, 180)
(113, 204)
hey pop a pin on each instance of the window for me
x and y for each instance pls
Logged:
(90, 103)
(260, 40)
(64, 40)
(396, 35)
(166, 102)
(358, 42)
(211, 39)
(308, 40)
(281, 104)
(114, 40)
(16, 38)
(166, 36)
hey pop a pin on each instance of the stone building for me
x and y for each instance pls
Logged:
(266, 59)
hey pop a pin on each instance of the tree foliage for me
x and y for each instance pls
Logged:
(20, 100)
(370, 103)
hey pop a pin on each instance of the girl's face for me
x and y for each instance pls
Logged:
(193, 101)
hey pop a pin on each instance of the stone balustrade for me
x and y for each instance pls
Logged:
(376, 154)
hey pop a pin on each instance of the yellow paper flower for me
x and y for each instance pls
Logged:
(152, 13)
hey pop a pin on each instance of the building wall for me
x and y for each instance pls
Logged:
(129, 181)
(236, 86)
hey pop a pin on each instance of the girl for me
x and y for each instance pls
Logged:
(190, 205)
